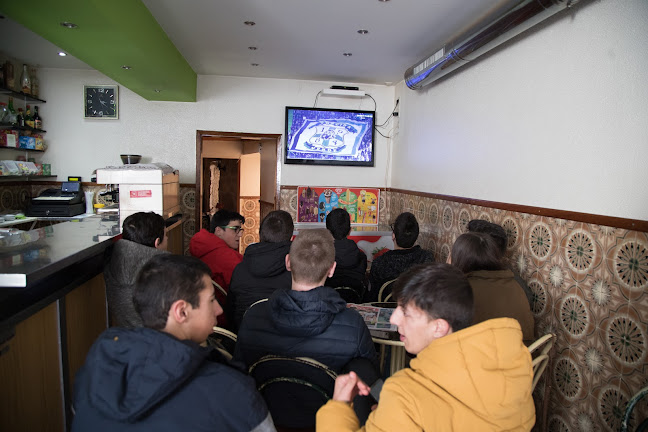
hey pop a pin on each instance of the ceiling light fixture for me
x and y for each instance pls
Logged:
(69, 25)
(249, 23)
(363, 32)
(62, 54)
(157, 90)
(126, 67)
(347, 54)
(254, 64)
(252, 48)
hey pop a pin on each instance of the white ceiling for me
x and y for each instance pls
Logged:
(295, 39)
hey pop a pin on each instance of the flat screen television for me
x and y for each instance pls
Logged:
(322, 136)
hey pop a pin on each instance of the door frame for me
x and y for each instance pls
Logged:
(200, 134)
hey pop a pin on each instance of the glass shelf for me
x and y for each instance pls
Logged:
(27, 177)
(23, 149)
(19, 128)
(23, 96)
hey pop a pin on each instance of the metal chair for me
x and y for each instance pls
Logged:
(222, 339)
(385, 293)
(643, 426)
(349, 294)
(294, 388)
(541, 355)
(219, 288)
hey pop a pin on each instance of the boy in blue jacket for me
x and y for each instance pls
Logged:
(158, 377)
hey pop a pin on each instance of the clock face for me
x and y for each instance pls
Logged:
(101, 102)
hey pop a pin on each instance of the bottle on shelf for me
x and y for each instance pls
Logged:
(10, 81)
(25, 81)
(35, 85)
(4, 112)
(11, 118)
(29, 119)
(38, 122)
(20, 118)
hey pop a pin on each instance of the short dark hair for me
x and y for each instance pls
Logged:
(163, 280)
(438, 289)
(311, 255)
(223, 217)
(474, 251)
(492, 229)
(143, 228)
(339, 223)
(406, 230)
(276, 227)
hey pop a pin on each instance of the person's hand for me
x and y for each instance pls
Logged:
(349, 386)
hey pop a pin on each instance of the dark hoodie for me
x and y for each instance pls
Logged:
(314, 323)
(351, 266)
(262, 271)
(146, 380)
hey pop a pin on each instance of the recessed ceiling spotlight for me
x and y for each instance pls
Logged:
(62, 54)
(126, 67)
(254, 64)
(383, 1)
(157, 90)
(347, 54)
(363, 31)
(69, 25)
(252, 48)
(249, 23)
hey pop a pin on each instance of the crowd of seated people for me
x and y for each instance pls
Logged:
(465, 323)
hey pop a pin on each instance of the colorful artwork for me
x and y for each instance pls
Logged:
(315, 203)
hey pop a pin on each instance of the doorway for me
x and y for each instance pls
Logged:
(239, 172)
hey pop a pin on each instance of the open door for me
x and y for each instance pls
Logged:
(269, 184)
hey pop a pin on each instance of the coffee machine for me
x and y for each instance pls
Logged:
(143, 188)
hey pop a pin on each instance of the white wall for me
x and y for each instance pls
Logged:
(557, 119)
(166, 131)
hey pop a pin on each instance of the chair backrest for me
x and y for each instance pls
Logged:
(540, 351)
(294, 388)
(223, 339)
(385, 291)
(642, 423)
(219, 288)
(348, 294)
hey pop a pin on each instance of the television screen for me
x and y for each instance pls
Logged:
(329, 136)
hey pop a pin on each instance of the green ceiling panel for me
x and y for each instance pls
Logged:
(110, 34)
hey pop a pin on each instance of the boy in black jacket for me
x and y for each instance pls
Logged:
(351, 262)
(158, 377)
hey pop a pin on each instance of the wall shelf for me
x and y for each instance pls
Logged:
(19, 128)
(23, 96)
(27, 177)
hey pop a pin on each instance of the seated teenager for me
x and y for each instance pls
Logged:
(310, 320)
(405, 254)
(158, 377)
(498, 234)
(463, 378)
(351, 262)
(497, 293)
(219, 249)
(143, 236)
(263, 269)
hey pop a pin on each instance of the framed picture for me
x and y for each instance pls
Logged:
(101, 101)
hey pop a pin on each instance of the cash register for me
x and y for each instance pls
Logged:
(64, 202)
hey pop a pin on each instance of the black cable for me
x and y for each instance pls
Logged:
(375, 104)
(317, 97)
(384, 136)
(391, 115)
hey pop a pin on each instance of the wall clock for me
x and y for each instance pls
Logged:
(101, 101)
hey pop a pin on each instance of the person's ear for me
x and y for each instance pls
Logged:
(442, 328)
(179, 311)
(157, 242)
(288, 262)
(332, 269)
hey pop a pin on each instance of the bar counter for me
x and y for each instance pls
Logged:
(52, 308)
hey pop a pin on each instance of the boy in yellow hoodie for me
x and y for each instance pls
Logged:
(462, 379)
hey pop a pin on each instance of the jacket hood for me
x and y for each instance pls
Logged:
(493, 355)
(305, 313)
(139, 368)
(266, 259)
(204, 242)
(347, 254)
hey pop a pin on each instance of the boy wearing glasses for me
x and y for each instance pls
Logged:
(218, 248)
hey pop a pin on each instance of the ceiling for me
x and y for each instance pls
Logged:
(168, 42)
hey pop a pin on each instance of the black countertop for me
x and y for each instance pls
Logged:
(36, 265)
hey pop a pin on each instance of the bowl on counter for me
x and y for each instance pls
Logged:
(130, 158)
